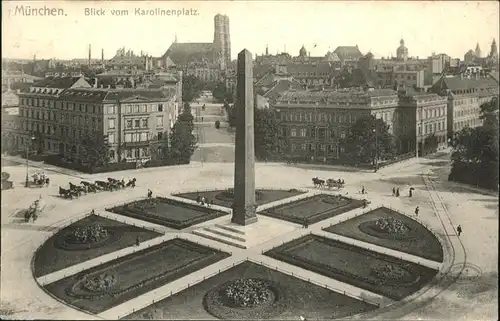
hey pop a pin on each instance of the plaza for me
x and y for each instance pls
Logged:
(442, 207)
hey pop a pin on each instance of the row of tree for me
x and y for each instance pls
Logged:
(475, 151)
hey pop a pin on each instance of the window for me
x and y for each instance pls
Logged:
(111, 138)
(74, 120)
(145, 152)
(137, 123)
(135, 137)
(111, 123)
(303, 132)
(128, 138)
(111, 154)
(128, 109)
(136, 109)
(434, 127)
(110, 109)
(160, 107)
(160, 135)
(293, 147)
(137, 152)
(144, 108)
(159, 121)
(129, 153)
(293, 132)
(128, 123)
(342, 134)
(145, 123)
(144, 137)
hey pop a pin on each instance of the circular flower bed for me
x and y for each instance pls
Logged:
(387, 227)
(99, 283)
(84, 238)
(245, 299)
(394, 274)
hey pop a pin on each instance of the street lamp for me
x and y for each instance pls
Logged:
(376, 147)
(32, 138)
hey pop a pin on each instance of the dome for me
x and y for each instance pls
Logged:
(402, 51)
(303, 51)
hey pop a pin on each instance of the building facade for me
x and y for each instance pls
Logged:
(421, 115)
(314, 122)
(465, 97)
(135, 121)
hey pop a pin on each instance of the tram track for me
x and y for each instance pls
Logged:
(446, 279)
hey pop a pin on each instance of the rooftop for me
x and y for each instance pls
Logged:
(333, 95)
(182, 53)
(113, 95)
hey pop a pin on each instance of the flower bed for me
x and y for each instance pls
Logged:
(247, 298)
(150, 210)
(316, 209)
(388, 227)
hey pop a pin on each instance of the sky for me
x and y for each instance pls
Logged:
(451, 27)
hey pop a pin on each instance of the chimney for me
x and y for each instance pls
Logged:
(90, 53)
(102, 55)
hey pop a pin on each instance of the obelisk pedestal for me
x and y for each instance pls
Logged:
(244, 205)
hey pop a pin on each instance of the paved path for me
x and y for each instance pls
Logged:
(22, 297)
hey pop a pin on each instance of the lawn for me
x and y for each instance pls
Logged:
(135, 274)
(223, 198)
(420, 242)
(313, 209)
(167, 212)
(295, 297)
(354, 265)
(52, 256)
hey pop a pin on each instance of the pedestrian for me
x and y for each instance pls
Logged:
(202, 119)
(212, 202)
(362, 190)
(150, 193)
(397, 192)
(459, 230)
(137, 241)
(416, 211)
(306, 224)
(92, 212)
(393, 191)
(411, 191)
(365, 203)
(198, 199)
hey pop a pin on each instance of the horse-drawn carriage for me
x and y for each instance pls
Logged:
(34, 210)
(86, 187)
(40, 179)
(335, 183)
(329, 183)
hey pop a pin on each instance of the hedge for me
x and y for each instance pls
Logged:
(56, 160)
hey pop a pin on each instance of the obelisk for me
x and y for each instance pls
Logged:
(244, 205)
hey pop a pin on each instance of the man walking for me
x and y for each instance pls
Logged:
(393, 191)
(459, 230)
(416, 211)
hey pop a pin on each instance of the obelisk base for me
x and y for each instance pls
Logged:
(244, 215)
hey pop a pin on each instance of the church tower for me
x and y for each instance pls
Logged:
(477, 52)
(494, 50)
(222, 41)
(402, 51)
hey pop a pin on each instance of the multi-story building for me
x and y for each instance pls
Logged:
(465, 97)
(10, 121)
(134, 120)
(38, 113)
(60, 112)
(314, 122)
(10, 78)
(419, 116)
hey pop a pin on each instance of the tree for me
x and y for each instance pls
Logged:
(489, 113)
(231, 114)
(268, 144)
(182, 140)
(93, 150)
(475, 157)
(191, 88)
(430, 144)
(368, 140)
(221, 93)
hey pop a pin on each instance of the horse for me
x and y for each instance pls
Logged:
(318, 182)
(66, 193)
